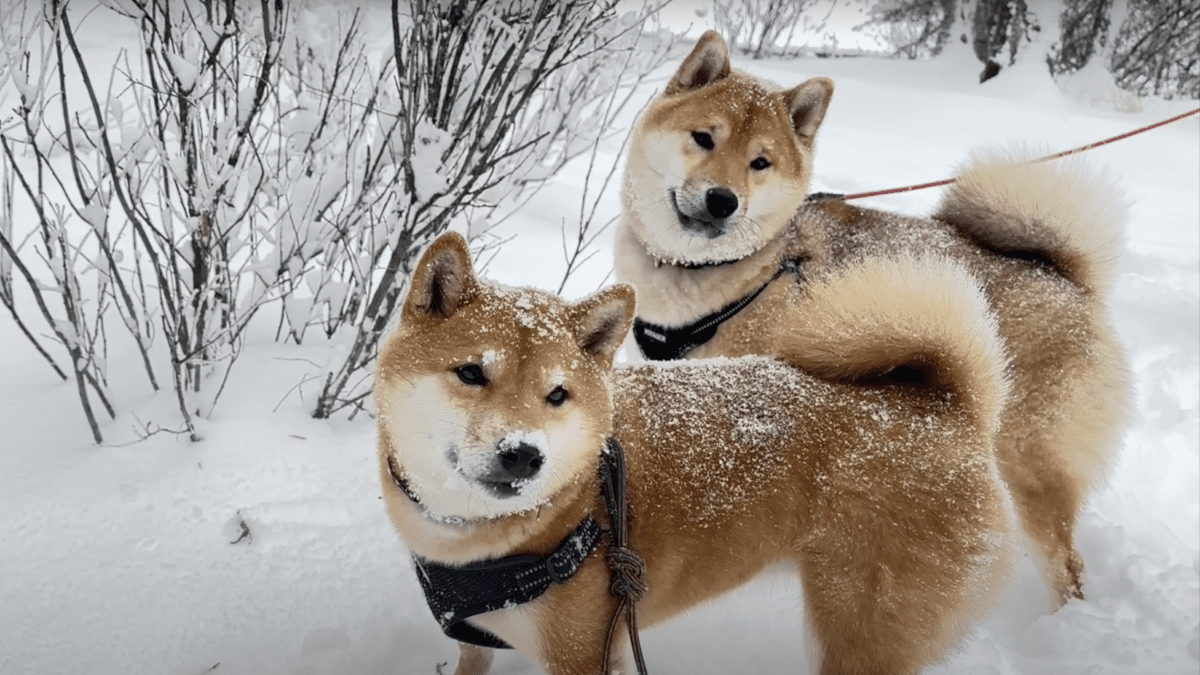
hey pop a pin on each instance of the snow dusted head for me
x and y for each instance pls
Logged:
(720, 161)
(492, 400)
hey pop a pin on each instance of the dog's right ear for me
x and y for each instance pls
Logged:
(444, 280)
(604, 319)
(708, 62)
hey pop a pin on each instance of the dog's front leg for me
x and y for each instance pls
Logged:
(579, 649)
(473, 660)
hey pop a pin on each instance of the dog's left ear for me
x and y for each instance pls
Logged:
(603, 320)
(444, 280)
(806, 106)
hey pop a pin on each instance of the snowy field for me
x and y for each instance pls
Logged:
(118, 559)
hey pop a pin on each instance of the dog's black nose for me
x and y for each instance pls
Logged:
(720, 202)
(521, 460)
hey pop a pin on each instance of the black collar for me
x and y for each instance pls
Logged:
(398, 480)
(660, 343)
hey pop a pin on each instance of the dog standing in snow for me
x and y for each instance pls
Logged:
(717, 238)
(879, 489)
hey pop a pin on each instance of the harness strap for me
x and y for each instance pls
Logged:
(660, 343)
(457, 593)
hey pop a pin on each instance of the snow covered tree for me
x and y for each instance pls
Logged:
(1085, 26)
(915, 28)
(1149, 46)
(1082, 60)
(1157, 49)
(1003, 31)
(996, 30)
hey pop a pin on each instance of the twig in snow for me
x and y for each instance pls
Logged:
(245, 531)
(144, 431)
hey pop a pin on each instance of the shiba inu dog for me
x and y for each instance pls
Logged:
(718, 239)
(880, 488)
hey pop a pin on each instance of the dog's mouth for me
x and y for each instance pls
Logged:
(701, 226)
(495, 486)
(501, 489)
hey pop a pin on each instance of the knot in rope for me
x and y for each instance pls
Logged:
(628, 569)
(628, 573)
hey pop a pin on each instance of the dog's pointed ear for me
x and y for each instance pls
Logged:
(603, 320)
(444, 280)
(806, 106)
(708, 62)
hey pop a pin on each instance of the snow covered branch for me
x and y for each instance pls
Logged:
(492, 99)
(763, 28)
(285, 155)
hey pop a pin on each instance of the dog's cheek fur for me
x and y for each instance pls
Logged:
(574, 444)
(662, 166)
(422, 423)
(771, 207)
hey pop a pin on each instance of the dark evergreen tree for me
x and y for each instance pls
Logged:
(1000, 29)
(1084, 30)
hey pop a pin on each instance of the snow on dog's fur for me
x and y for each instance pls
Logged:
(713, 201)
(882, 492)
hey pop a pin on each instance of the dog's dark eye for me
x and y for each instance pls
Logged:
(760, 163)
(703, 140)
(471, 374)
(557, 397)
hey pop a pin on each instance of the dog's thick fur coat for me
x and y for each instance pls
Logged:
(1041, 240)
(880, 490)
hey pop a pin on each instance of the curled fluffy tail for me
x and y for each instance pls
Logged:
(916, 322)
(1058, 211)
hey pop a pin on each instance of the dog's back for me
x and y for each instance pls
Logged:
(1042, 240)
(877, 480)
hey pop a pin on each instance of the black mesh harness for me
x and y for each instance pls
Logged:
(662, 343)
(457, 593)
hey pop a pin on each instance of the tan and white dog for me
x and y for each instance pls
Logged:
(880, 489)
(723, 249)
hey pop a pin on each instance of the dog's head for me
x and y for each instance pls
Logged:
(719, 163)
(492, 399)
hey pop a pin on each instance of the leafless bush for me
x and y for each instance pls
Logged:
(493, 98)
(762, 28)
(12, 31)
(57, 262)
(156, 198)
(248, 156)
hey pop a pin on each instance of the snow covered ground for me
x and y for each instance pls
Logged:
(118, 559)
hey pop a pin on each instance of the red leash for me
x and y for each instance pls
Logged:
(1047, 158)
